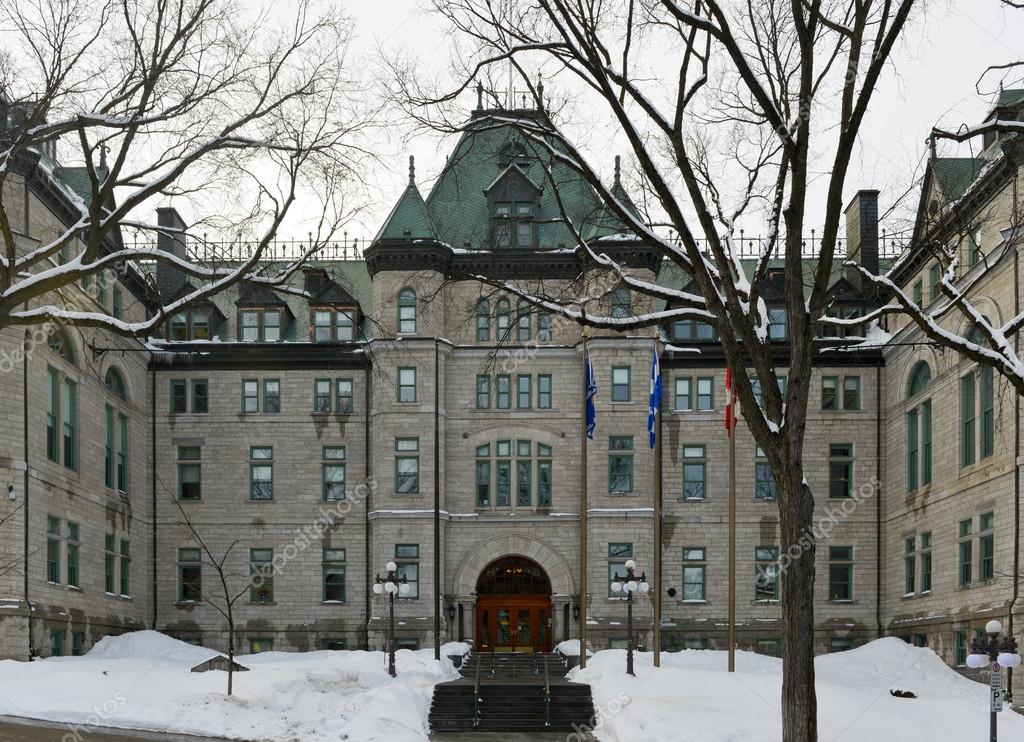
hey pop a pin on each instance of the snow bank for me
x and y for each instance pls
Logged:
(571, 648)
(455, 649)
(692, 698)
(143, 681)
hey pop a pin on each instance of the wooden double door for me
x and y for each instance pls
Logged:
(513, 623)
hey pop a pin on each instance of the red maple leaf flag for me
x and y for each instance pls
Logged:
(730, 399)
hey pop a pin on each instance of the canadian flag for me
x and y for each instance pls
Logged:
(730, 403)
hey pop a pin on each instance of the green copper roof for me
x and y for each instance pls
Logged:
(409, 219)
(77, 179)
(955, 174)
(1010, 97)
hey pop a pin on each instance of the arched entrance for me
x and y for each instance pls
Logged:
(513, 606)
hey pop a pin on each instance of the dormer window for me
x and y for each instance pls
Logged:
(513, 200)
(193, 325)
(513, 224)
(260, 325)
(333, 325)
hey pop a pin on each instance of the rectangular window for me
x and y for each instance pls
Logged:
(73, 551)
(926, 562)
(126, 568)
(77, 643)
(695, 574)
(69, 421)
(407, 385)
(618, 555)
(695, 472)
(271, 325)
(523, 328)
(503, 475)
(344, 326)
(57, 643)
(543, 326)
(959, 647)
(190, 575)
(333, 472)
(200, 325)
(986, 384)
(189, 473)
(543, 475)
(524, 392)
(52, 415)
(271, 395)
(261, 644)
(620, 464)
(909, 566)
(840, 644)
(766, 573)
(966, 560)
(483, 392)
(840, 573)
(503, 391)
(524, 483)
(53, 549)
(250, 396)
(179, 396)
(250, 322)
(705, 394)
(200, 396)
(109, 564)
(933, 281)
(986, 546)
(926, 442)
(118, 310)
(620, 384)
(764, 479)
(912, 452)
(261, 575)
(918, 292)
(322, 326)
(334, 575)
(108, 449)
(261, 473)
(777, 321)
(830, 392)
(967, 413)
(322, 396)
(407, 466)
(407, 557)
(684, 400)
(544, 392)
(483, 476)
(345, 397)
(122, 453)
(851, 392)
(840, 470)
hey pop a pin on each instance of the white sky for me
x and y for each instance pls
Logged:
(932, 79)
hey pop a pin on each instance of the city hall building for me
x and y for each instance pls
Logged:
(402, 409)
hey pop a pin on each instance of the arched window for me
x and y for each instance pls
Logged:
(621, 306)
(61, 344)
(919, 429)
(407, 311)
(523, 329)
(483, 320)
(501, 314)
(115, 384)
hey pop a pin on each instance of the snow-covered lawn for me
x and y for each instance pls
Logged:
(142, 681)
(692, 699)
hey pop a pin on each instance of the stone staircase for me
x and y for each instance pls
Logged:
(512, 697)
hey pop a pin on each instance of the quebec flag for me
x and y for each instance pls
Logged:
(655, 401)
(591, 385)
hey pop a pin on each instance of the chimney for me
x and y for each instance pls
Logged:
(862, 234)
(168, 278)
(314, 280)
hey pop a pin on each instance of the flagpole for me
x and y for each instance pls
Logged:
(583, 512)
(657, 527)
(731, 432)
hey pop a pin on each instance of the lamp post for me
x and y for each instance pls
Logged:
(997, 653)
(391, 585)
(629, 585)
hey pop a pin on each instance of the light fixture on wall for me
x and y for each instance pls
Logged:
(576, 613)
(12, 495)
(451, 611)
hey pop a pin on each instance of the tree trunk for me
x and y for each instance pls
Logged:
(231, 651)
(796, 519)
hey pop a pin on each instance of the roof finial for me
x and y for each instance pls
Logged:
(412, 170)
(479, 95)
(103, 155)
(618, 169)
(540, 92)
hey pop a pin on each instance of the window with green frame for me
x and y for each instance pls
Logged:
(108, 449)
(109, 564)
(261, 575)
(620, 464)
(934, 274)
(407, 560)
(407, 384)
(118, 308)
(543, 475)
(261, 472)
(705, 394)
(524, 392)
(840, 573)
(190, 474)
(483, 392)
(122, 453)
(321, 396)
(190, 575)
(72, 545)
(967, 420)
(544, 392)
(69, 424)
(618, 554)
(840, 470)
(178, 391)
(524, 473)
(57, 643)
(918, 292)
(271, 395)
(986, 547)
(200, 396)
(909, 565)
(766, 573)
(126, 568)
(524, 330)
(334, 575)
(959, 647)
(483, 476)
(926, 562)
(52, 414)
(851, 392)
(695, 574)
(695, 472)
(503, 391)
(830, 392)
(501, 317)
(407, 311)
(407, 466)
(503, 474)
(620, 383)
(345, 397)
(966, 552)
(986, 389)
(683, 396)
(483, 320)
(621, 303)
(764, 479)
(77, 643)
(53, 549)
(250, 396)
(333, 473)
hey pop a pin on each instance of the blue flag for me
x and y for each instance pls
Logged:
(591, 391)
(655, 401)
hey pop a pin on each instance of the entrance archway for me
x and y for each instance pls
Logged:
(513, 606)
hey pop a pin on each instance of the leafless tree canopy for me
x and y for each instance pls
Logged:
(191, 99)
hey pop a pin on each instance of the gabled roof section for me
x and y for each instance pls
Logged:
(609, 222)
(513, 168)
(77, 179)
(409, 220)
(250, 294)
(1010, 97)
(955, 174)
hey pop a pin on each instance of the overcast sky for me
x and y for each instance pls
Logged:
(932, 79)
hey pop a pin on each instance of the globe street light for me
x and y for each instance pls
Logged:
(629, 585)
(391, 585)
(996, 653)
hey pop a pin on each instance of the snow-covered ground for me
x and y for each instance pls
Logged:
(692, 699)
(142, 681)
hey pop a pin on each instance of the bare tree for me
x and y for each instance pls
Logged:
(192, 99)
(724, 107)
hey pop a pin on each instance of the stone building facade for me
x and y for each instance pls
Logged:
(405, 410)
